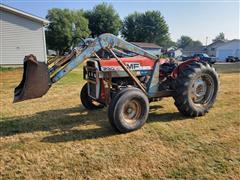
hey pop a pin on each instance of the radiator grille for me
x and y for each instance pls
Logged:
(90, 64)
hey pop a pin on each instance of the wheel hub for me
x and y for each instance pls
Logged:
(201, 89)
(132, 111)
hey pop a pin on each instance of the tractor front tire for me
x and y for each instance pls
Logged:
(87, 101)
(196, 89)
(128, 111)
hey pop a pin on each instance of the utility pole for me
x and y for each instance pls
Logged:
(206, 40)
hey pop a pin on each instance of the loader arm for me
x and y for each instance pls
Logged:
(38, 77)
(104, 41)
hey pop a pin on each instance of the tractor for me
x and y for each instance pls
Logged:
(125, 78)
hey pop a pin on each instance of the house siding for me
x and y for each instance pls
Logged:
(231, 48)
(191, 52)
(19, 37)
(211, 49)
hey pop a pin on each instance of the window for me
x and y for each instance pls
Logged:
(205, 55)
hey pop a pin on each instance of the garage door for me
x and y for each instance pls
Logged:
(223, 53)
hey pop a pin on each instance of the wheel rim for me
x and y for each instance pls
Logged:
(132, 111)
(202, 89)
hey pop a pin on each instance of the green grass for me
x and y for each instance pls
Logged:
(54, 137)
(227, 68)
(5, 69)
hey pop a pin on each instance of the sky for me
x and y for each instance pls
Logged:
(200, 19)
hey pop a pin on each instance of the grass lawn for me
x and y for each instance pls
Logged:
(55, 137)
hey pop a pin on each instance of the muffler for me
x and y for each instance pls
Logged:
(35, 81)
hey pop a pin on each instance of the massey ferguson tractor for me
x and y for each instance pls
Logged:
(126, 81)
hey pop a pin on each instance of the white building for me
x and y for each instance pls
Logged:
(21, 34)
(212, 48)
(150, 47)
(174, 52)
(230, 48)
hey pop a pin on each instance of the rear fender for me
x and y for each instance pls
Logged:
(181, 67)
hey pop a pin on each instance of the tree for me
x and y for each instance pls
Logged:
(195, 45)
(64, 26)
(145, 27)
(168, 43)
(187, 42)
(103, 19)
(184, 41)
(220, 36)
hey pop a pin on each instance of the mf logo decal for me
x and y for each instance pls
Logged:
(133, 66)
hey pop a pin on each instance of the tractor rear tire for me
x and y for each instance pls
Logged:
(196, 89)
(128, 111)
(87, 101)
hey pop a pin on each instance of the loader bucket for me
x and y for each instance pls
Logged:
(35, 81)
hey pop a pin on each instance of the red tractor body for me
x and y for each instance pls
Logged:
(127, 82)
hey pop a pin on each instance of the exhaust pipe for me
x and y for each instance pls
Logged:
(35, 81)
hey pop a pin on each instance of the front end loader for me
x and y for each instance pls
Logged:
(125, 78)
